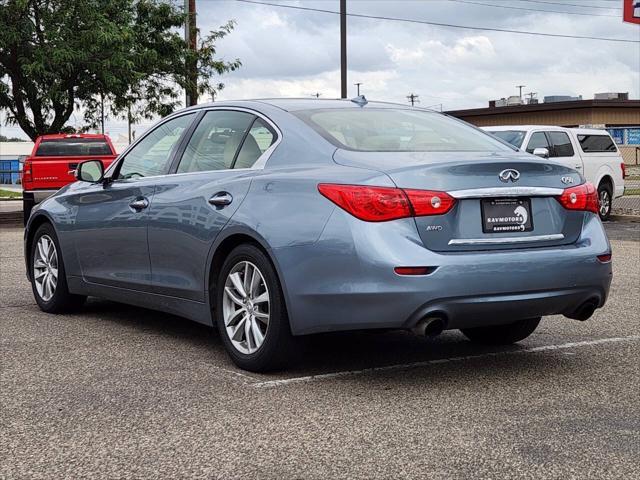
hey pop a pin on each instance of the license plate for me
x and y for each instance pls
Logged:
(501, 215)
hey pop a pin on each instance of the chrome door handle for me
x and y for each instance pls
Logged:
(139, 204)
(221, 199)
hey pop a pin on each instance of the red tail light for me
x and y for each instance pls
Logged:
(379, 204)
(583, 197)
(27, 174)
(623, 167)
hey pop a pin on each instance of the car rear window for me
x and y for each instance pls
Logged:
(73, 147)
(397, 130)
(514, 137)
(596, 143)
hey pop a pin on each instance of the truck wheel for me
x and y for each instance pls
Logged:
(27, 206)
(502, 334)
(605, 201)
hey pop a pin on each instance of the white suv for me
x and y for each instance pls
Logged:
(590, 151)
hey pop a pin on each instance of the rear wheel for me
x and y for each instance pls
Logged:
(605, 201)
(250, 311)
(502, 334)
(48, 279)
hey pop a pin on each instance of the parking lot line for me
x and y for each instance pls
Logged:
(406, 366)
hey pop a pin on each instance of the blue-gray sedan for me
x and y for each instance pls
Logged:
(279, 218)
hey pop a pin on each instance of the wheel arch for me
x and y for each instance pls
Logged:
(35, 222)
(224, 244)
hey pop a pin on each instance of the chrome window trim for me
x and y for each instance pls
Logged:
(505, 240)
(506, 192)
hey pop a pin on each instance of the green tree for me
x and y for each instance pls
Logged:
(58, 55)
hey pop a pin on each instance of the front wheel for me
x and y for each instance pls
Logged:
(605, 201)
(48, 279)
(502, 334)
(250, 311)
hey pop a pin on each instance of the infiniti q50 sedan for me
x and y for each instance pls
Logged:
(285, 217)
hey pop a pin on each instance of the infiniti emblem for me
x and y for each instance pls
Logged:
(509, 174)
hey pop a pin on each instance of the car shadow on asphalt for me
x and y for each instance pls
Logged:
(317, 354)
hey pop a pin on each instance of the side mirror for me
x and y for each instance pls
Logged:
(541, 152)
(90, 171)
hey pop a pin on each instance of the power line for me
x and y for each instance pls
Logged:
(570, 4)
(436, 24)
(534, 9)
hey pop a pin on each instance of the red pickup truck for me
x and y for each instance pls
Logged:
(53, 161)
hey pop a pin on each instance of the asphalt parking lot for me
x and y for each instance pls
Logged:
(115, 391)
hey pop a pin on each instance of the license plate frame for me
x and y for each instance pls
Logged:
(506, 215)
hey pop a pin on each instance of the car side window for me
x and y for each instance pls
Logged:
(259, 139)
(215, 141)
(561, 144)
(538, 140)
(152, 155)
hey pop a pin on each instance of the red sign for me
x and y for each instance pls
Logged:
(631, 12)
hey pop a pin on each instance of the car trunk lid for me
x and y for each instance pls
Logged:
(503, 201)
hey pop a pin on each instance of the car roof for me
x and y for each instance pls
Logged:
(498, 128)
(296, 104)
(590, 131)
(59, 136)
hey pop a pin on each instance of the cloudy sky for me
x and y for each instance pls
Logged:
(287, 52)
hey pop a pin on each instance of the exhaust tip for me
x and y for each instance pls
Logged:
(429, 326)
(584, 311)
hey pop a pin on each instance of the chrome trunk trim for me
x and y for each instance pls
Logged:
(505, 240)
(507, 192)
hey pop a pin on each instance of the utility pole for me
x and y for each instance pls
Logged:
(531, 95)
(190, 36)
(413, 99)
(129, 121)
(343, 48)
(102, 110)
(358, 87)
(520, 87)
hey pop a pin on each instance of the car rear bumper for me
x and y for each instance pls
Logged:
(346, 279)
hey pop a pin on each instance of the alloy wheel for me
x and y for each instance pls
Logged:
(605, 203)
(45, 268)
(245, 307)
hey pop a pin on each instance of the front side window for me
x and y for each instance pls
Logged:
(215, 141)
(398, 130)
(596, 143)
(259, 139)
(152, 155)
(538, 140)
(561, 144)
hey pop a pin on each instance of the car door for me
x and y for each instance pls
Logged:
(562, 150)
(213, 173)
(111, 220)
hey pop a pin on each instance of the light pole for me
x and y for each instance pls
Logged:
(343, 48)
(358, 87)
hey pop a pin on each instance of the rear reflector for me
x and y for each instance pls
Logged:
(380, 204)
(582, 197)
(414, 270)
(606, 258)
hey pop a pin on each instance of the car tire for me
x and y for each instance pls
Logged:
(52, 296)
(241, 308)
(502, 334)
(605, 201)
